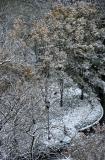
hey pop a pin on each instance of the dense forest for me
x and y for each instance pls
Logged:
(52, 80)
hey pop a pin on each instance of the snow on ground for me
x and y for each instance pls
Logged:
(75, 115)
(64, 122)
(69, 158)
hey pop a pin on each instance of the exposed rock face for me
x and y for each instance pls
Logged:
(40, 105)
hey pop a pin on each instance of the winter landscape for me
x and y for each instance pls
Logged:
(52, 80)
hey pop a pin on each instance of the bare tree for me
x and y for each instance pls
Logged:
(61, 91)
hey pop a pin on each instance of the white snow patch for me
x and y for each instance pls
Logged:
(67, 120)
(67, 158)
